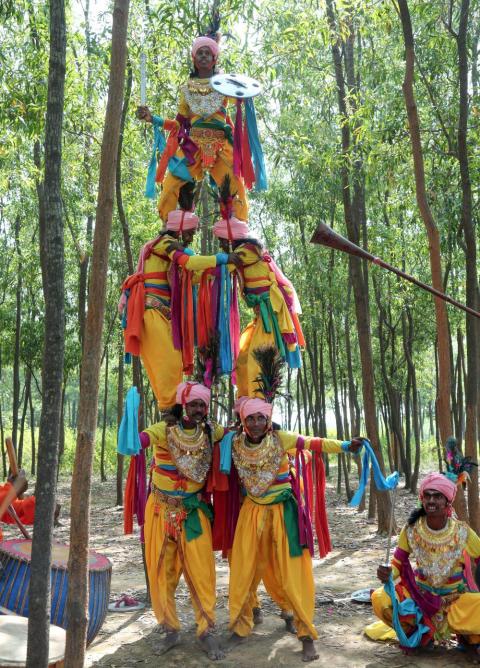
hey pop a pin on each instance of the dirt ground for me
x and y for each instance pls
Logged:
(131, 640)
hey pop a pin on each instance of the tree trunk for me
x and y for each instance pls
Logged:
(92, 349)
(443, 399)
(18, 324)
(360, 285)
(121, 367)
(52, 262)
(32, 431)
(103, 476)
(26, 393)
(460, 417)
(471, 388)
(137, 369)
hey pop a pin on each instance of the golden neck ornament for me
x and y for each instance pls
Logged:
(201, 98)
(437, 553)
(257, 463)
(191, 452)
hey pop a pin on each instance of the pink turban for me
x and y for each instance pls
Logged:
(440, 483)
(238, 404)
(205, 41)
(179, 220)
(232, 229)
(251, 406)
(190, 391)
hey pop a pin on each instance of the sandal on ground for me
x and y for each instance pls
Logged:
(126, 604)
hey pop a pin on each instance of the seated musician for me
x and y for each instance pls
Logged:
(439, 596)
(25, 508)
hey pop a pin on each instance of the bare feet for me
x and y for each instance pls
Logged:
(257, 616)
(211, 647)
(172, 639)
(234, 641)
(289, 623)
(309, 653)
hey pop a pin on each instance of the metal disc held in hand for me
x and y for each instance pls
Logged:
(362, 596)
(235, 85)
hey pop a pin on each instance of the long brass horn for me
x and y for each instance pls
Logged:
(325, 236)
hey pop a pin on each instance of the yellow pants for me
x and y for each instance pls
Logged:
(275, 595)
(222, 166)
(161, 361)
(260, 551)
(168, 558)
(463, 614)
(247, 369)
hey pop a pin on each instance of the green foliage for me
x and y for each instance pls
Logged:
(288, 47)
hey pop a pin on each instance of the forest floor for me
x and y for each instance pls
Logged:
(131, 639)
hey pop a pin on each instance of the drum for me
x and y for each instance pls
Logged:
(15, 557)
(13, 643)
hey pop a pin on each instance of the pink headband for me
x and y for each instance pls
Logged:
(205, 41)
(189, 391)
(179, 220)
(232, 229)
(251, 406)
(440, 483)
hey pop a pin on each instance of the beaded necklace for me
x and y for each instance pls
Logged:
(191, 453)
(257, 464)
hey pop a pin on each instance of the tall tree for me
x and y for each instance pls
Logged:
(52, 261)
(92, 348)
(444, 415)
(470, 248)
(353, 212)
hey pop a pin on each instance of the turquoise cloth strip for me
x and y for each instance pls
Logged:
(226, 452)
(177, 166)
(381, 483)
(406, 607)
(128, 440)
(223, 320)
(255, 146)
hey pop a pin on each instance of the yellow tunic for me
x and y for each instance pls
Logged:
(441, 572)
(162, 362)
(215, 151)
(257, 274)
(167, 556)
(261, 551)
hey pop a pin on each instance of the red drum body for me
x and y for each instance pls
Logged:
(15, 557)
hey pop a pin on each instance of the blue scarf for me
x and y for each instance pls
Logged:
(381, 483)
(406, 607)
(255, 146)
(223, 319)
(128, 440)
(226, 452)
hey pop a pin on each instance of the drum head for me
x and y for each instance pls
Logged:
(236, 85)
(13, 642)
(21, 549)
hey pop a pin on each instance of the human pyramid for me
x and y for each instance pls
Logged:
(257, 477)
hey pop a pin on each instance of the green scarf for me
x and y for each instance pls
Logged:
(268, 315)
(290, 516)
(193, 527)
(216, 125)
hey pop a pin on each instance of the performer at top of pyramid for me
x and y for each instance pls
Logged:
(203, 137)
